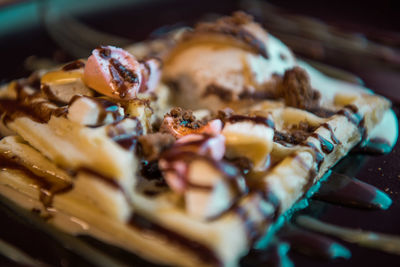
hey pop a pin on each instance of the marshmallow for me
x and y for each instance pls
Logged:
(114, 72)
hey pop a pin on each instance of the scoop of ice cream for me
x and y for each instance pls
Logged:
(114, 72)
(224, 61)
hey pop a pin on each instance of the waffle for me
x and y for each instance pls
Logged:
(102, 141)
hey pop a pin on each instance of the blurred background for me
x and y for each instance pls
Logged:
(33, 32)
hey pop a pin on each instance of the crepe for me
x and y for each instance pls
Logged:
(184, 151)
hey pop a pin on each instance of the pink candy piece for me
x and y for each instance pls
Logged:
(114, 72)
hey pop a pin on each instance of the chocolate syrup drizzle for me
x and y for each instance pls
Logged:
(77, 64)
(256, 119)
(120, 74)
(47, 189)
(125, 139)
(343, 190)
(25, 106)
(203, 252)
(326, 146)
(340, 190)
(312, 244)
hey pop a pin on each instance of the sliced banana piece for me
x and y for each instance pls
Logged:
(249, 139)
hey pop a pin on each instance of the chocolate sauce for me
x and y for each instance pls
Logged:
(77, 64)
(270, 197)
(33, 81)
(187, 152)
(319, 157)
(321, 112)
(349, 117)
(256, 119)
(104, 52)
(222, 93)
(313, 244)
(276, 255)
(128, 142)
(242, 163)
(203, 252)
(257, 95)
(121, 75)
(326, 146)
(150, 171)
(47, 189)
(333, 137)
(51, 96)
(252, 229)
(125, 139)
(343, 190)
(374, 146)
(108, 180)
(37, 111)
(356, 119)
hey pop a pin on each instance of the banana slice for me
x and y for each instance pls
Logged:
(249, 139)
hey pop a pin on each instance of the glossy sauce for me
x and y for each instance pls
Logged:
(343, 190)
(126, 140)
(203, 252)
(326, 146)
(313, 244)
(374, 146)
(47, 189)
(256, 119)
